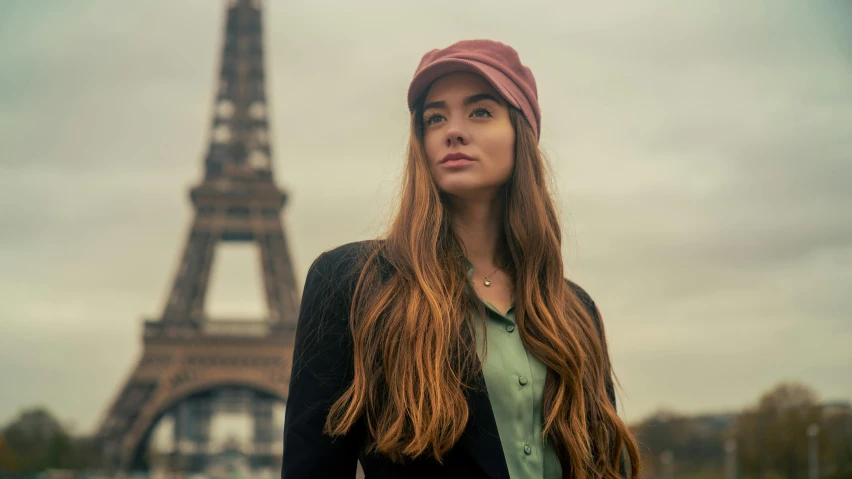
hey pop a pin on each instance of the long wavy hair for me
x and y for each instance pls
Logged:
(414, 349)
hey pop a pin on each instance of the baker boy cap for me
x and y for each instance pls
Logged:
(496, 62)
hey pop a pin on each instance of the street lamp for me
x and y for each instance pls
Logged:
(813, 453)
(731, 458)
(667, 459)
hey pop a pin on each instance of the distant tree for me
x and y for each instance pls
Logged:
(30, 436)
(86, 452)
(38, 441)
(772, 436)
(695, 441)
(8, 460)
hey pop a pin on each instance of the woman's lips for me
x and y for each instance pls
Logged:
(460, 163)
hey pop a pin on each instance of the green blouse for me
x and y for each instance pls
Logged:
(515, 382)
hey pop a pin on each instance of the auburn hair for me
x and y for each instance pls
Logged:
(414, 350)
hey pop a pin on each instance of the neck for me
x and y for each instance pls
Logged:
(479, 226)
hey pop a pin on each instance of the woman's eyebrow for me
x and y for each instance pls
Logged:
(467, 101)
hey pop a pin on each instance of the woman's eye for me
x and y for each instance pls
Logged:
(478, 113)
(428, 119)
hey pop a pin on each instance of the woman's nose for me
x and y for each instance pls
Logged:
(456, 136)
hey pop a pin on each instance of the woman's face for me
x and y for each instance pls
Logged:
(464, 116)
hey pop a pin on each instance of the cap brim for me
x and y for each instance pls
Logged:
(424, 78)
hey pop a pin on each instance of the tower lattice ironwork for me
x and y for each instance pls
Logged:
(186, 353)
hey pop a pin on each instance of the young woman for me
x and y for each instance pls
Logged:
(454, 347)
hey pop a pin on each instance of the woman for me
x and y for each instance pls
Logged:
(454, 346)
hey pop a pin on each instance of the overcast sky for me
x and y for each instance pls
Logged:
(701, 150)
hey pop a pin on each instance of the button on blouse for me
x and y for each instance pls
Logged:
(515, 382)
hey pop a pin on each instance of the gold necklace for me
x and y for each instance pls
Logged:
(487, 281)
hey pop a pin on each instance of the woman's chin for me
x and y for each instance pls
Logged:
(461, 189)
(458, 188)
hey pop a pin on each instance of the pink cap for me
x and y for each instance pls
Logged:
(496, 62)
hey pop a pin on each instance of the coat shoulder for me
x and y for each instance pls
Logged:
(343, 260)
(587, 302)
(583, 296)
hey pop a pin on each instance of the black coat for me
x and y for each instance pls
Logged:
(322, 367)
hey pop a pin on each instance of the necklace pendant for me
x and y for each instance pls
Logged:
(487, 282)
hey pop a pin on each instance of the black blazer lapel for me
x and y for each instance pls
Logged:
(481, 438)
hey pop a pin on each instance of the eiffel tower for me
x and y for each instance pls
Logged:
(188, 358)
